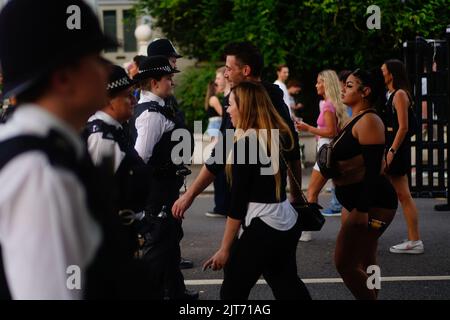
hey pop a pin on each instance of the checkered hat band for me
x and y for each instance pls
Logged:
(165, 68)
(118, 83)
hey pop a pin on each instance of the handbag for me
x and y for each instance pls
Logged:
(309, 216)
(325, 160)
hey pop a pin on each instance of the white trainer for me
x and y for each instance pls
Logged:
(409, 247)
(306, 236)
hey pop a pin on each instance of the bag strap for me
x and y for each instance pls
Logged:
(347, 125)
(293, 177)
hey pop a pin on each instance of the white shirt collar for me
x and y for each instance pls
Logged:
(147, 96)
(30, 118)
(101, 115)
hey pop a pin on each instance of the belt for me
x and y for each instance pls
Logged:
(128, 216)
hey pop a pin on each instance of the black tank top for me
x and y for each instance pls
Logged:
(211, 112)
(390, 119)
(348, 146)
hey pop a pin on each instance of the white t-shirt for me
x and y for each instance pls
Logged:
(285, 95)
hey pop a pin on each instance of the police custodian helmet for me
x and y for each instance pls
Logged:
(37, 37)
(162, 47)
(153, 67)
(118, 81)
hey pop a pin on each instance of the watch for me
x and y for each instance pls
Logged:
(392, 150)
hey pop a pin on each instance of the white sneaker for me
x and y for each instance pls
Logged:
(410, 247)
(306, 236)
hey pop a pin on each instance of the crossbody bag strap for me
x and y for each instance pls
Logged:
(344, 130)
(293, 177)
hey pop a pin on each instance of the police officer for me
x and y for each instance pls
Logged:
(153, 124)
(163, 47)
(57, 238)
(107, 140)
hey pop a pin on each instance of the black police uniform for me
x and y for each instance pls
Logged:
(112, 273)
(162, 242)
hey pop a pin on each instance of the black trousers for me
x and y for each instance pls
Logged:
(163, 253)
(262, 250)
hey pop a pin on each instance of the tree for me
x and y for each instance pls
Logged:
(307, 35)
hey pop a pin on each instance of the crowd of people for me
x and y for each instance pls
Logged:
(90, 180)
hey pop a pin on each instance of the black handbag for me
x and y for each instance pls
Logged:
(325, 160)
(309, 216)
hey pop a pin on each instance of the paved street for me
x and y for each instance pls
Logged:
(424, 276)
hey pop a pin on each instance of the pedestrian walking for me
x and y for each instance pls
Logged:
(243, 62)
(332, 117)
(361, 186)
(398, 149)
(282, 76)
(260, 212)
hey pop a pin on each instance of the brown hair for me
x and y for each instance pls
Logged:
(257, 112)
(210, 92)
(281, 66)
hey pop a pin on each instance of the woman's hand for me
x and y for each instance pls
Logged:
(300, 125)
(218, 260)
(389, 158)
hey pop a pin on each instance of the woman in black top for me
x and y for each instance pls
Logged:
(398, 156)
(360, 187)
(213, 106)
(260, 212)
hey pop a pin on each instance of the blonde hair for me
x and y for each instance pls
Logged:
(333, 94)
(257, 114)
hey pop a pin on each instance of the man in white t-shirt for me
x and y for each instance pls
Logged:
(283, 75)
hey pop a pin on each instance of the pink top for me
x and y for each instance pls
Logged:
(324, 105)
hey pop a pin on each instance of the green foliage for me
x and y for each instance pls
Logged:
(190, 92)
(308, 35)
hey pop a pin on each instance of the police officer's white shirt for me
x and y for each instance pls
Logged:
(100, 147)
(45, 226)
(286, 98)
(150, 127)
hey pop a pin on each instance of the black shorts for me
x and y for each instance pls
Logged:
(385, 196)
(401, 164)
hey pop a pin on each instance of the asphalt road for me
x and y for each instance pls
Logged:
(405, 277)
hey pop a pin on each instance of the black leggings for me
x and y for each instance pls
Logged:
(262, 250)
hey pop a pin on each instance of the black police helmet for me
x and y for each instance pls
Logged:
(36, 37)
(154, 67)
(118, 81)
(162, 47)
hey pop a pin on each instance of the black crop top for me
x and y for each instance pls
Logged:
(349, 147)
(211, 112)
(249, 185)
